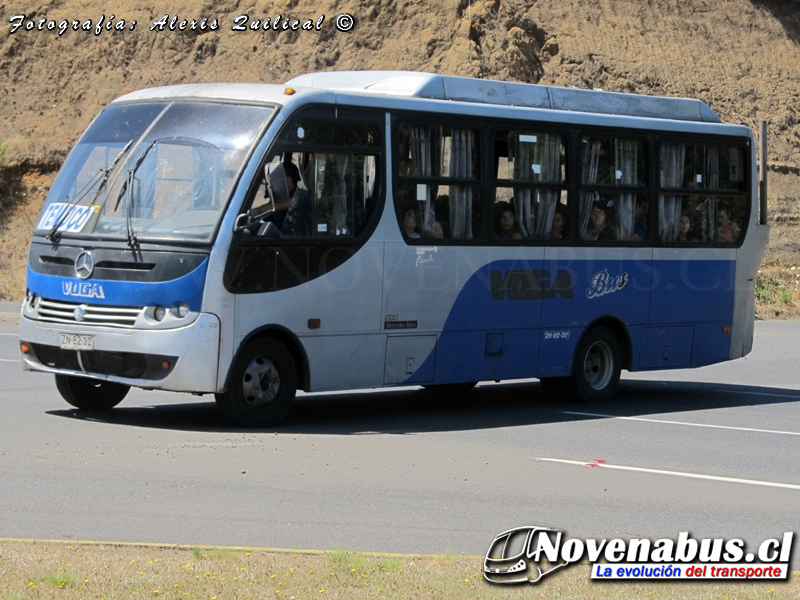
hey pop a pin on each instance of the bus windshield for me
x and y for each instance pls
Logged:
(156, 170)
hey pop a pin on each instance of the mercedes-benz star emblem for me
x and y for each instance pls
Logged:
(84, 265)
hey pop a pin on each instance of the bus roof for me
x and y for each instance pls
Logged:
(505, 93)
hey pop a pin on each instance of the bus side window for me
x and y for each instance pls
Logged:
(337, 167)
(535, 164)
(702, 199)
(438, 183)
(607, 215)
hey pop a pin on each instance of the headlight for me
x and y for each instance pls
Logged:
(183, 310)
(159, 313)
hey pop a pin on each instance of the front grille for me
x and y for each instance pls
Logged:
(56, 311)
(132, 365)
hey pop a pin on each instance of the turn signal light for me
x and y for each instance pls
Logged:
(314, 323)
(25, 348)
(726, 330)
(289, 91)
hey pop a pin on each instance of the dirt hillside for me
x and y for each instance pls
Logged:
(742, 57)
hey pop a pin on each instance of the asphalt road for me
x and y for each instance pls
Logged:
(712, 451)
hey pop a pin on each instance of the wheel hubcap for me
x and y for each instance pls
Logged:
(598, 365)
(261, 382)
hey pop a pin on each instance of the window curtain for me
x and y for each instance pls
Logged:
(625, 160)
(340, 194)
(669, 207)
(523, 201)
(422, 160)
(462, 146)
(537, 161)
(708, 213)
(590, 166)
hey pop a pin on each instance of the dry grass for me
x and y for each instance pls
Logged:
(21, 198)
(778, 292)
(77, 571)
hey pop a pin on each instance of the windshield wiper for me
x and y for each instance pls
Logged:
(127, 186)
(132, 171)
(54, 234)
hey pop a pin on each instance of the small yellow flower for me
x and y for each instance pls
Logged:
(291, 569)
(466, 581)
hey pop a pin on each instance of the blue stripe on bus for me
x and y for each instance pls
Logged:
(105, 292)
(519, 319)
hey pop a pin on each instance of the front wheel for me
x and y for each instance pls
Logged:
(90, 394)
(262, 386)
(597, 367)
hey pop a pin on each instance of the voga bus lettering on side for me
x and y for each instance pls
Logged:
(249, 241)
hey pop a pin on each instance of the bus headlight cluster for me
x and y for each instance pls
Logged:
(158, 313)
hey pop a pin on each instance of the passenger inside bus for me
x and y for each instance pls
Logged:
(685, 231)
(506, 226)
(728, 230)
(601, 225)
(640, 222)
(559, 229)
(410, 223)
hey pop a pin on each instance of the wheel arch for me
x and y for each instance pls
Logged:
(288, 339)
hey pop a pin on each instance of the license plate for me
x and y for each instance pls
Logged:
(71, 341)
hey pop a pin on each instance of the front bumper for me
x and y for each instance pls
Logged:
(130, 356)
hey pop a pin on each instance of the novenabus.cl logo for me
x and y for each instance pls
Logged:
(509, 560)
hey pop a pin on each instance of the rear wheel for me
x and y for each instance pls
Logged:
(90, 394)
(262, 385)
(597, 367)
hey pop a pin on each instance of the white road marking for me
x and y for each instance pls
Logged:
(8, 360)
(604, 465)
(14, 334)
(760, 394)
(585, 414)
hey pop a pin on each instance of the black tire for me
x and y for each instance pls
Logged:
(262, 385)
(596, 369)
(90, 394)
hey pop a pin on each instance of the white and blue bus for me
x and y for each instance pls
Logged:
(375, 229)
